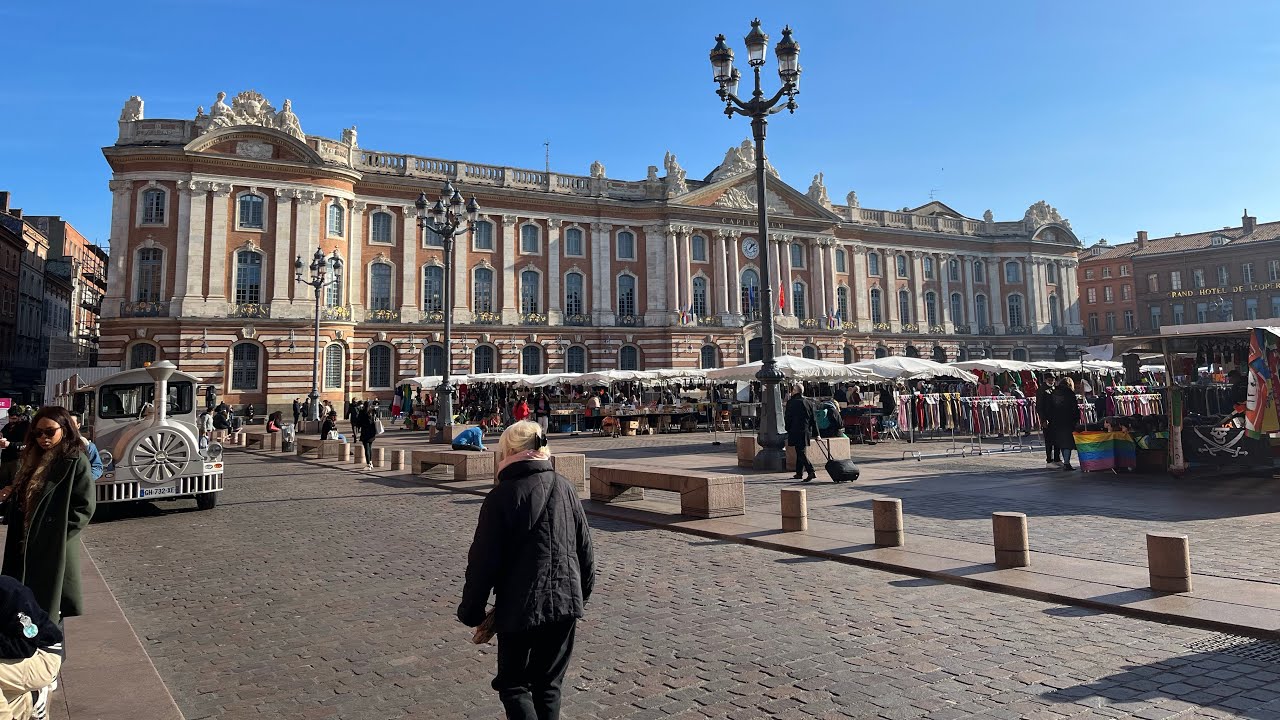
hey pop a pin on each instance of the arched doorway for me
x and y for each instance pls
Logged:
(939, 354)
(755, 349)
(913, 351)
(1060, 354)
(882, 351)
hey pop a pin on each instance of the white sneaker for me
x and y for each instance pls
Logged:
(368, 466)
(40, 707)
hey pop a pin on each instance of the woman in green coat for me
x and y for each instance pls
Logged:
(53, 499)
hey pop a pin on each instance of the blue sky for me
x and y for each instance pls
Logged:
(1123, 115)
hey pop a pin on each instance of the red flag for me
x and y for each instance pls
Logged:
(782, 294)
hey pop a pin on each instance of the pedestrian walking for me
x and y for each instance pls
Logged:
(368, 432)
(593, 411)
(1044, 404)
(297, 410)
(542, 411)
(1064, 415)
(520, 411)
(13, 439)
(210, 397)
(532, 550)
(801, 427)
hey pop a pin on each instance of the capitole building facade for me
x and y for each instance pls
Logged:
(563, 273)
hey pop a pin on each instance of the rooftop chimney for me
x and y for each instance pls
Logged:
(1249, 223)
(4, 202)
(1142, 239)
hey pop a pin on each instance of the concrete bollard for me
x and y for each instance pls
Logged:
(397, 459)
(1169, 562)
(379, 457)
(358, 455)
(886, 518)
(795, 511)
(1010, 533)
(344, 452)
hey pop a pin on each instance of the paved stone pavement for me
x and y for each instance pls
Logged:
(315, 593)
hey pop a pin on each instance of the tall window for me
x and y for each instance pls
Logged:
(1051, 274)
(1108, 294)
(1175, 280)
(1091, 295)
(1106, 273)
(842, 303)
(957, 308)
(904, 306)
(627, 246)
(1224, 276)
(1111, 322)
(1251, 308)
(332, 291)
(380, 366)
(928, 268)
(700, 296)
(573, 294)
(979, 271)
(1197, 278)
(698, 247)
(953, 270)
(797, 255)
(1126, 292)
(901, 261)
(797, 300)
(1275, 306)
(980, 311)
(244, 366)
(931, 309)
(877, 313)
(1153, 282)
(141, 354)
(1125, 271)
(150, 274)
(431, 238)
(379, 286)
(337, 219)
(433, 288)
(531, 360)
(1246, 272)
(433, 360)
(482, 292)
(1053, 311)
(248, 277)
(1179, 315)
(1155, 317)
(1202, 312)
(1012, 272)
(707, 357)
(380, 227)
(1273, 270)
(626, 295)
(1128, 319)
(628, 358)
(529, 239)
(573, 242)
(1093, 323)
(333, 367)
(484, 235)
(1015, 310)
(750, 293)
(484, 359)
(529, 291)
(575, 359)
(251, 211)
(840, 261)
(873, 264)
(153, 207)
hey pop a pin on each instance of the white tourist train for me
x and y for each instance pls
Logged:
(150, 450)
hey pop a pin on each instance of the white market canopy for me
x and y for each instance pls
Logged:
(1076, 365)
(901, 367)
(794, 368)
(996, 366)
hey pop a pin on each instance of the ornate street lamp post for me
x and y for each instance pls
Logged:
(446, 219)
(770, 437)
(319, 280)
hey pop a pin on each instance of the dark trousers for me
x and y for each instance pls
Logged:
(531, 666)
(802, 461)
(1051, 452)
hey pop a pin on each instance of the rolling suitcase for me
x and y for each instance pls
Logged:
(839, 470)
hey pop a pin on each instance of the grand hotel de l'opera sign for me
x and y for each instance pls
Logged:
(563, 273)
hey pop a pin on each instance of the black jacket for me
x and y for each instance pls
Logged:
(16, 598)
(801, 424)
(1064, 415)
(538, 563)
(326, 427)
(368, 426)
(1044, 403)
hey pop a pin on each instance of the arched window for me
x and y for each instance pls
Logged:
(842, 303)
(431, 238)
(626, 245)
(248, 277)
(626, 295)
(882, 351)
(484, 360)
(483, 238)
(913, 351)
(530, 291)
(530, 239)
(337, 219)
(901, 262)
(904, 306)
(877, 311)
(1053, 310)
(939, 354)
(797, 300)
(957, 308)
(848, 355)
(980, 311)
(150, 275)
(141, 354)
(1019, 354)
(751, 294)
(251, 211)
(333, 291)
(628, 357)
(153, 206)
(928, 268)
(797, 255)
(379, 366)
(380, 227)
(809, 352)
(962, 355)
(380, 286)
(931, 309)
(698, 246)
(573, 242)
(433, 288)
(841, 264)
(979, 271)
(575, 359)
(573, 294)
(953, 270)
(873, 264)
(531, 360)
(333, 357)
(433, 360)
(1060, 353)
(1012, 272)
(245, 359)
(1015, 311)
(482, 291)
(700, 296)
(708, 357)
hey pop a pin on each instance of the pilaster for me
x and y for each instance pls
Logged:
(860, 288)
(122, 248)
(410, 273)
(995, 305)
(656, 311)
(554, 228)
(281, 242)
(354, 274)
(672, 265)
(218, 300)
(944, 270)
(602, 249)
(510, 313)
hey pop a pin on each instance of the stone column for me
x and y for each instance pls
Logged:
(917, 285)
(281, 261)
(832, 281)
(889, 273)
(353, 273)
(674, 301)
(181, 276)
(720, 276)
(859, 287)
(510, 312)
(733, 287)
(685, 276)
(783, 243)
(817, 282)
(1031, 301)
(554, 315)
(944, 302)
(970, 292)
(602, 250)
(656, 311)
(410, 272)
(219, 301)
(461, 276)
(305, 239)
(1071, 297)
(995, 303)
(118, 279)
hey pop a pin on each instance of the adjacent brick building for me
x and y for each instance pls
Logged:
(1108, 301)
(23, 357)
(88, 277)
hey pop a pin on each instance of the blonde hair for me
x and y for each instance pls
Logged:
(522, 436)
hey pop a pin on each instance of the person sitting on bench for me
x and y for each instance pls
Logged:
(469, 439)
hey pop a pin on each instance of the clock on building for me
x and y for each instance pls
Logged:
(750, 248)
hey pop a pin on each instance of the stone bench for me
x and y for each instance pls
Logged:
(467, 464)
(322, 448)
(702, 494)
(572, 466)
(262, 441)
(446, 434)
(839, 450)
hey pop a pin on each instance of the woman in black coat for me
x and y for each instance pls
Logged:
(368, 425)
(1064, 415)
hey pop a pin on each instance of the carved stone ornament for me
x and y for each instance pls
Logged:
(248, 332)
(255, 149)
(349, 136)
(249, 108)
(739, 160)
(744, 198)
(132, 109)
(818, 192)
(597, 169)
(675, 176)
(852, 200)
(1042, 213)
(988, 217)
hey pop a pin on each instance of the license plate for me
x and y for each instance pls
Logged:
(155, 492)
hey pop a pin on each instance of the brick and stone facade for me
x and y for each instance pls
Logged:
(1108, 300)
(565, 272)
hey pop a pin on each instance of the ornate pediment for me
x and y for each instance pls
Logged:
(743, 197)
(1042, 213)
(737, 161)
(249, 108)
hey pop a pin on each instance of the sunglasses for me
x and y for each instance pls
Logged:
(46, 432)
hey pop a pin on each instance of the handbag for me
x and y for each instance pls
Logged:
(377, 426)
(331, 435)
(484, 632)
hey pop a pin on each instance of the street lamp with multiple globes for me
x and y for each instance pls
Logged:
(319, 280)
(772, 455)
(446, 219)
